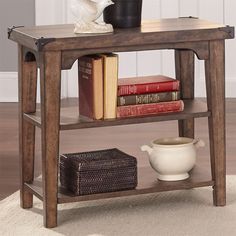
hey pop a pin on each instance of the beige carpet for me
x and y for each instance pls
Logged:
(177, 213)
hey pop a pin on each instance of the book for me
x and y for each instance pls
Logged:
(91, 86)
(110, 70)
(147, 84)
(150, 109)
(148, 98)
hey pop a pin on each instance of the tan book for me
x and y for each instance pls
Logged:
(110, 73)
(91, 86)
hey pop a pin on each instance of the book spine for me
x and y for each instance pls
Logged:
(148, 88)
(150, 109)
(85, 69)
(148, 98)
(110, 85)
(91, 87)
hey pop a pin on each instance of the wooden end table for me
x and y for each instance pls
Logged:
(55, 48)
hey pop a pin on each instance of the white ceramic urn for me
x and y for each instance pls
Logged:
(173, 158)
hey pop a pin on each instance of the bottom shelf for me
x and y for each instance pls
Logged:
(147, 183)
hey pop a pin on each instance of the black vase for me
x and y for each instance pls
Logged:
(124, 13)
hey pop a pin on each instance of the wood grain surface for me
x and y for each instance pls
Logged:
(123, 137)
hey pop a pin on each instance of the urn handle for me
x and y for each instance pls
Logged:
(198, 143)
(147, 149)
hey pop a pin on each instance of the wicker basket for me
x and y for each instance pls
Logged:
(98, 171)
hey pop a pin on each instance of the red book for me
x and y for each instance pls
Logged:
(147, 84)
(150, 109)
(91, 86)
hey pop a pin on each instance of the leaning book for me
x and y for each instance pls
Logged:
(110, 70)
(91, 86)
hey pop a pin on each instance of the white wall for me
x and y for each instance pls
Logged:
(11, 13)
(151, 62)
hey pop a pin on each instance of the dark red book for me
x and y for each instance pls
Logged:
(150, 109)
(147, 84)
(136, 99)
(91, 86)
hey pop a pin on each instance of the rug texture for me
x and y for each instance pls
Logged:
(177, 213)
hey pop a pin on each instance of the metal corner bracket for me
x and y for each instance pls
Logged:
(41, 42)
(229, 30)
(10, 29)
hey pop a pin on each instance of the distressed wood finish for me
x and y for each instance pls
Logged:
(70, 118)
(56, 48)
(27, 72)
(9, 153)
(61, 37)
(184, 60)
(50, 84)
(215, 81)
(147, 183)
(200, 48)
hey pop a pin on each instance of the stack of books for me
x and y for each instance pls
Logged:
(148, 95)
(103, 96)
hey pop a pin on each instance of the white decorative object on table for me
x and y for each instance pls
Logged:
(173, 158)
(87, 12)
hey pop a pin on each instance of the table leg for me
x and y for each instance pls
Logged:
(215, 83)
(50, 83)
(184, 64)
(27, 103)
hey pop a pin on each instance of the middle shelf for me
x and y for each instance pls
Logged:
(70, 118)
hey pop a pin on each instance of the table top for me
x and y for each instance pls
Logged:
(61, 37)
